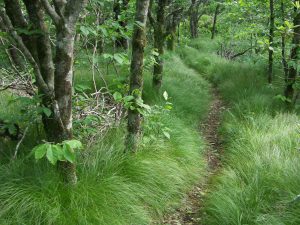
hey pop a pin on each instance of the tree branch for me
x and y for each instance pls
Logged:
(151, 19)
(73, 9)
(240, 53)
(6, 25)
(51, 12)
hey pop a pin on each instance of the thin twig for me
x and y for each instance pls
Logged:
(19, 143)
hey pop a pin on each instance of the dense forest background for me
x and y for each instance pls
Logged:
(149, 112)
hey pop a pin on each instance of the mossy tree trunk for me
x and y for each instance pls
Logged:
(173, 21)
(292, 73)
(283, 43)
(119, 8)
(159, 42)
(271, 41)
(214, 27)
(194, 18)
(53, 79)
(136, 72)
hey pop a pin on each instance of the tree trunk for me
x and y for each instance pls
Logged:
(292, 74)
(120, 8)
(271, 40)
(214, 27)
(16, 57)
(44, 54)
(194, 19)
(14, 12)
(54, 84)
(171, 38)
(159, 41)
(136, 72)
(283, 48)
(172, 23)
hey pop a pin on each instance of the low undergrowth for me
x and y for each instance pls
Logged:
(116, 188)
(260, 181)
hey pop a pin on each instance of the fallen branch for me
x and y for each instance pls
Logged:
(240, 53)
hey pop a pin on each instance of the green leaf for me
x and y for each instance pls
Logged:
(39, 151)
(118, 59)
(107, 56)
(50, 156)
(117, 96)
(166, 96)
(74, 144)
(168, 107)
(69, 153)
(47, 111)
(12, 129)
(85, 31)
(128, 98)
(166, 134)
(58, 152)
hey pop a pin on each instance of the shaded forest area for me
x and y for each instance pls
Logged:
(132, 112)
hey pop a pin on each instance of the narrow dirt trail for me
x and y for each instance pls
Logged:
(191, 210)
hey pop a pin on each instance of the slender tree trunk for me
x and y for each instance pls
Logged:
(16, 57)
(194, 19)
(136, 72)
(271, 40)
(292, 73)
(178, 33)
(214, 27)
(159, 41)
(283, 48)
(171, 28)
(119, 8)
(171, 38)
(14, 12)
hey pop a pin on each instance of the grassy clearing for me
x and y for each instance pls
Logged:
(114, 188)
(260, 181)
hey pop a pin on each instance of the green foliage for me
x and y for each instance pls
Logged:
(64, 151)
(259, 182)
(30, 109)
(113, 187)
(132, 102)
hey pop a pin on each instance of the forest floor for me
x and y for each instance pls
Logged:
(191, 211)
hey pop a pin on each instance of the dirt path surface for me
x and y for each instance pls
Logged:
(191, 210)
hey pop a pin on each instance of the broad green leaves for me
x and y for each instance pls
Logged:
(64, 151)
(132, 102)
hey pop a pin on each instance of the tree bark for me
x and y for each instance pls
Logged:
(41, 37)
(292, 73)
(173, 20)
(159, 41)
(55, 83)
(283, 44)
(271, 40)
(120, 8)
(136, 72)
(194, 19)
(14, 12)
(63, 78)
(214, 27)
(16, 57)
(171, 37)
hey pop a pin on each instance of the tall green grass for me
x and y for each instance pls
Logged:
(260, 181)
(116, 188)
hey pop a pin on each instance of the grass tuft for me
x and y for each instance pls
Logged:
(116, 188)
(260, 181)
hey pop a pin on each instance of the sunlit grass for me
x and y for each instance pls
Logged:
(260, 181)
(116, 188)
